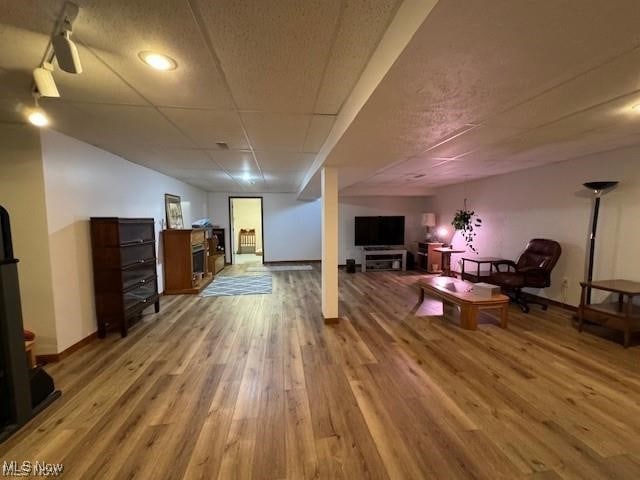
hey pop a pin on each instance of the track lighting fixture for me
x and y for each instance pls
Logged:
(62, 47)
(43, 78)
(66, 51)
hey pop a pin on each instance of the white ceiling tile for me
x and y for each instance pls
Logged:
(361, 28)
(96, 84)
(273, 52)
(134, 125)
(233, 160)
(118, 30)
(276, 131)
(318, 131)
(279, 176)
(284, 161)
(207, 127)
(188, 159)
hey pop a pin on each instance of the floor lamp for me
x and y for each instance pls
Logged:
(598, 189)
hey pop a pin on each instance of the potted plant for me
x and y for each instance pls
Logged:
(466, 221)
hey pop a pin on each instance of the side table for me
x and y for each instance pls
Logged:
(620, 315)
(477, 274)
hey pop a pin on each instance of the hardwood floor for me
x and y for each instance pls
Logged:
(258, 387)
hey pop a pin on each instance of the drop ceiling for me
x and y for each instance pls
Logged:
(265, 77)
(489, 87)
(482, 88)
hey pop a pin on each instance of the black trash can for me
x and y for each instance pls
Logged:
(351, 265)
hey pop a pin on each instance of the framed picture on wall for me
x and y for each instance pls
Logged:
(173, 209)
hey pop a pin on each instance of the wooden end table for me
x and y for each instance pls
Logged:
(617, 315)
(446, 259)
(479, 275)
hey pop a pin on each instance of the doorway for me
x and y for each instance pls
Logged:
(247, 234)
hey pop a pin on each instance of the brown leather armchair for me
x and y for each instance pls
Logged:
(533, 269)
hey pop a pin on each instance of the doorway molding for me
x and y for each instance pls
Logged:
(231, 232)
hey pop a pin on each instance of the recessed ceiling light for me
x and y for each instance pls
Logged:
(636, 107)
(158, 61)
(38, 118)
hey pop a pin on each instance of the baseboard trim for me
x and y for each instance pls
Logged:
(289, 262)
(56, 357)
(554, 303)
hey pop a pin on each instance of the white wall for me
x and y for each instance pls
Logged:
(82, 181)
(22, 194)
(550, 202)
(291, 226)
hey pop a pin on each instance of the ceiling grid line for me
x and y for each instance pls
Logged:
(151, 105)
(334, 37)
(204, 33)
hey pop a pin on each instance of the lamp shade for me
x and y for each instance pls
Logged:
(598, 187)
(428, 219)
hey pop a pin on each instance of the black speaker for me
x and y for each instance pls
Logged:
(411, 263)
(351, 265)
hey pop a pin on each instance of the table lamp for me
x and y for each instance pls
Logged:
(598, 189)
(428, 221)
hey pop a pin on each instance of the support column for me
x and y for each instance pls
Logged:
(329, 179)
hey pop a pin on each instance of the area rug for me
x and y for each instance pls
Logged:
(224, 286)
(279, 268)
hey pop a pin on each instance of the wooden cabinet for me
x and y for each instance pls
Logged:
(216, 263)
(186, 269)
(427, 257)
(124, 270)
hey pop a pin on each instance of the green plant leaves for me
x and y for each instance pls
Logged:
(465, 221)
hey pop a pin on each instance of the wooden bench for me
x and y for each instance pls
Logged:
(460, 293)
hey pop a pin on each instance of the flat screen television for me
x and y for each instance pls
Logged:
(372, 231)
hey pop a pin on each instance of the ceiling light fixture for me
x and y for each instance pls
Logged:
(37, 116)
(636, 107)
(158, 61)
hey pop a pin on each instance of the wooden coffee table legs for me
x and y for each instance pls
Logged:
(469, 315)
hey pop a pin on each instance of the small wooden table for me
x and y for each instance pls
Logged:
(460, 293)
(617, 315)
(446, 259)
(479, 275)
